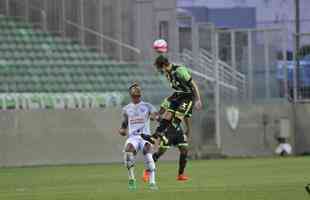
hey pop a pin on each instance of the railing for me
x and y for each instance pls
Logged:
(110, 39)
(228, 77)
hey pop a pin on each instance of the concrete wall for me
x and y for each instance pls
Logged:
(302, 128)
(252, 138)
(40, 137)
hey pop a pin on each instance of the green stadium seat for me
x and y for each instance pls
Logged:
(1, 103)
(48, 101)
(35, 101)
(10, 102)
(33, 61)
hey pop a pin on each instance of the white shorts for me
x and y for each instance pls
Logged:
(137, 142)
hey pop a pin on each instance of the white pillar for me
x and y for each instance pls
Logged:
(82, 32)
(284, 59)
(217, 93)
(233, 48)
(118, 6)
(44, 15)
(145, 28)
(267, 65)
(7, 7)
(233, 62)
(195, 39)
(250, 67)
(27, 11)
(100, 13)
(296, 93)
(63, 17)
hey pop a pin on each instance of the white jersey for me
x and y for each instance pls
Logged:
(138, 118)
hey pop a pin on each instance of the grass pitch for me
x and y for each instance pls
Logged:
(230, 179)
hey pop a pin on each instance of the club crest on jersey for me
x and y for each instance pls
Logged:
(142, 110)
(184, 105)
(232, 114)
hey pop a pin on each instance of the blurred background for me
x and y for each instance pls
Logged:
(65, 66)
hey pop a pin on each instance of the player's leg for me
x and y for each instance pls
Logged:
(165, 121)
(149, 163)
(182, 143)
(170, 134)
(146, 173)
(161, 151)
(182, 163)
(183, 147)
(129, 161)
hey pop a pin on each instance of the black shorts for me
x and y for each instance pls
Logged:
(181, 104)
(176, 137)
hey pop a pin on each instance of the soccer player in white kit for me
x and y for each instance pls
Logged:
(136, 120)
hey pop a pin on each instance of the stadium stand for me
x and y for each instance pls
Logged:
(33, 62)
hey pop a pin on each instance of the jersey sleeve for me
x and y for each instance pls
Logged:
(151, 108)
(165, 104)
(124, 111)
(184, 74)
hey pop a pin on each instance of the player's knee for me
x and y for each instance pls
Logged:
(130, 148)
(167, 115)
(129, 159)
(147, 149)
(177, 120)
(149, 162)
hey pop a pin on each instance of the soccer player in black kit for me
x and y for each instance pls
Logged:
(178, 106)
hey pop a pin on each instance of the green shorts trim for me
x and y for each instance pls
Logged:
(183, 144)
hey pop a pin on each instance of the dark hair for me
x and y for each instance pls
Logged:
(134, 89)
(160, 61)
(133, 84)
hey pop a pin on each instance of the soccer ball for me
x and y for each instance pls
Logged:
(160, 46)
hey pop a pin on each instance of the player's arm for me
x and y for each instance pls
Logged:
(157, 115)
(161, 110)
(186, 76)
(154, 116)
(188, 124)
(124, 125)
(195, 89)
(153, 112)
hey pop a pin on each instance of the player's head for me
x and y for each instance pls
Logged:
(162, 63)
(135, 92)
(160, 46)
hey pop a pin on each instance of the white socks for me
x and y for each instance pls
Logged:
(150, 165)
(131, 173)
(129, 161)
